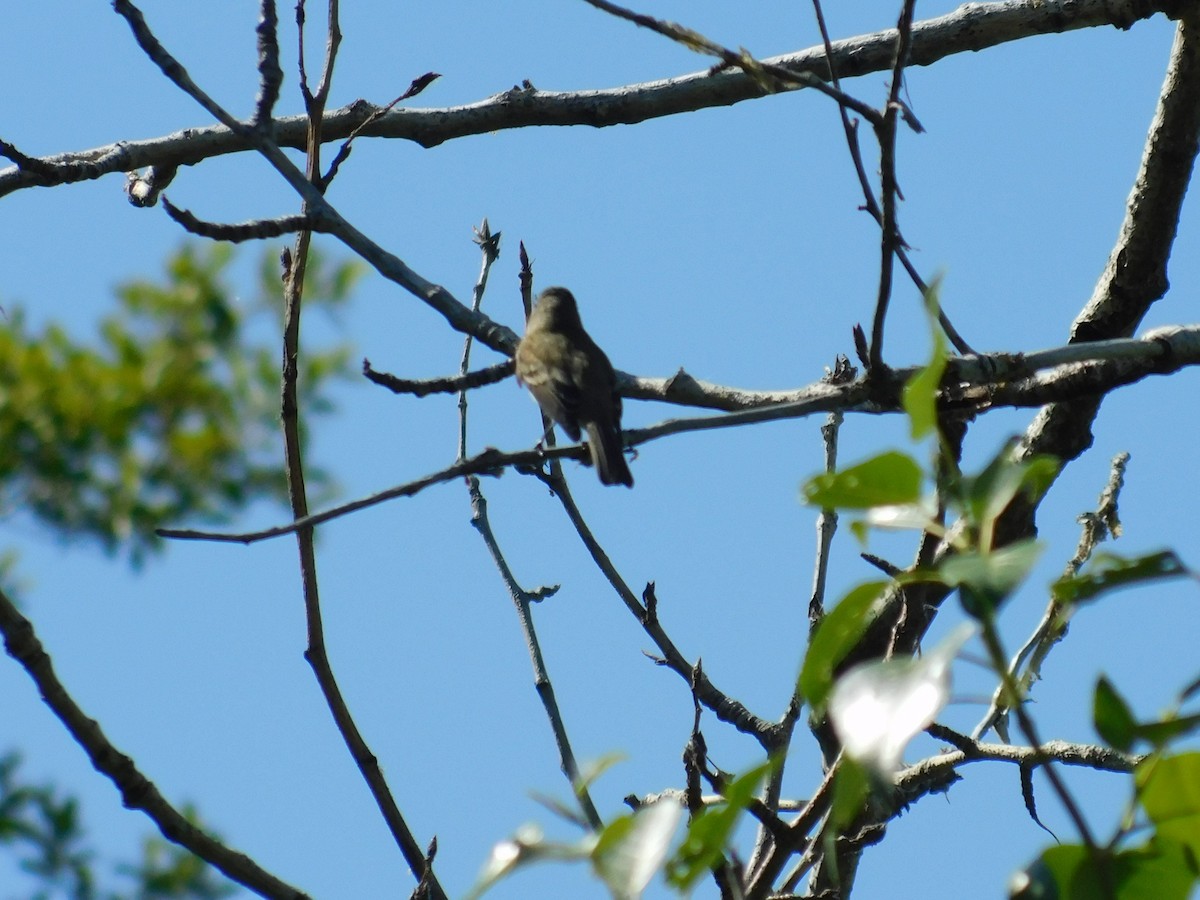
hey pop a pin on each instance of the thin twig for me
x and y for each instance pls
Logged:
(257, 230)
(722, 705)
(270, 75)
(885, 131)
(422, 387)
(770, 77)
(871, 205)
(489, 245)
(317, 654)
(991, 640)
(418, 84)
(523, 600)
(1097, 526)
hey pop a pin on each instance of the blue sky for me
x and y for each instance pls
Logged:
(727, 242)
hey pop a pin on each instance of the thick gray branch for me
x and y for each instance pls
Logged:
(1135, 276)
(973, 26)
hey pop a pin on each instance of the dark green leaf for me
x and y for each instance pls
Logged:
(919, 397)
(1065, 872)
(1166, 730)
(851, 787)
(835, 636)
(1161, 870)
(1107, 572)
(988, 494)
(709, 832)
(1112, 717)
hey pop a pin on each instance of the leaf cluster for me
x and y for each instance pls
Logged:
(45, 833)
(169, 414)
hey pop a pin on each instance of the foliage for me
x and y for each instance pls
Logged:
(45, 834)
(169, 415)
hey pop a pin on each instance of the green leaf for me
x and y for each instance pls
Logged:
(1169, 791)
(708, 833)
(1064, 872)
(919, 396)
(1108, 572)
(989, 493)
(835, 636)
(1112, 717)
(987, 579)
(1166, 730)
(888, 479)
(851, 787)
(1160, 870)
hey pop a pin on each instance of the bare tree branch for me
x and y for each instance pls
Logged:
(257, 230)
(137, 791)
(422, 387)
(970, 28)
(1114, 363)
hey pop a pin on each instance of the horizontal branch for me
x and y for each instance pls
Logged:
(976, 382)
(490, 462)
(449, 385)
(1092, 368)
(913, 780)
(256, 230)
(972, 27)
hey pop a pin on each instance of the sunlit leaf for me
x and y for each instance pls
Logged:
(878, 707)
(1169, 791)
(526, 847)
(632, 848)
(890, 478)
(910, 516)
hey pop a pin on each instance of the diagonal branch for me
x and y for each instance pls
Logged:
(458, 316)
(316, 654)
(889, 237)
(522, 599)
(137, 791)
(1136, 273)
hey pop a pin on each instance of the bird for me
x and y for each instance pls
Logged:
(573, 381)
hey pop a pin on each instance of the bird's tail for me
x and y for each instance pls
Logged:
(608, 455)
